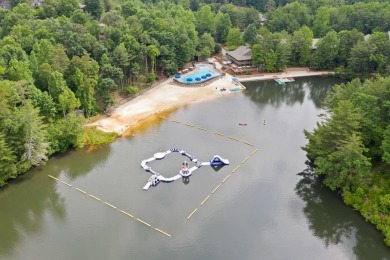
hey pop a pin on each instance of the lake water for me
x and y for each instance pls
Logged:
(263, 210)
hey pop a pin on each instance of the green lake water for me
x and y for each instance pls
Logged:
(264, 210)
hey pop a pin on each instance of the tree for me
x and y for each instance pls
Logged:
(94, 7)
(106, 85)
(386, 146)
(290, 17)
(205, 22)
(7, 161)
(58, 59)
(56, 85)
(84, 92)
(67, 101)
(321, 22)
(35, 142)
(43, 101)
(234, 38)
(223, 25)
(270, 61)
(325, 57)
(348, 39)
(114, 73)
(257, 55)
(250, 35)
(346, 167)
(359, 62)
(301, 46)
(206, 45)
(23, 34)
(66, 133)
(19, 70)
(326, 137)
(11, 50)
(67, 7)
(153, 52)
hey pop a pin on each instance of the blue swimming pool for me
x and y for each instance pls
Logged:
(202, 73)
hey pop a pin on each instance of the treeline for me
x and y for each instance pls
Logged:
(351, 148)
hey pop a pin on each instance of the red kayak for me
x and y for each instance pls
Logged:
(243, 124)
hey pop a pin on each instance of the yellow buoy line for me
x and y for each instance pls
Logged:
(204, 129)
(112, 206)
(219, 185)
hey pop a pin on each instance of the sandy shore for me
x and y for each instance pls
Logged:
(168, 96)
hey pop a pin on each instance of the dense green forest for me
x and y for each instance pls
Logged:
(60, 64)
(350, 149)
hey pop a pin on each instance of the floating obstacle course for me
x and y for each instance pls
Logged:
(156, 177)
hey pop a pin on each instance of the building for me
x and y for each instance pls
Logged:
(5, 4)
(314, 44)
(37, 3)
(242, 56)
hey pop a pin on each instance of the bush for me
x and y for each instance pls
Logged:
(151, 77)
(132, 90)
(94, 136)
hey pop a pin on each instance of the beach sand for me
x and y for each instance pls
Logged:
(168, 96)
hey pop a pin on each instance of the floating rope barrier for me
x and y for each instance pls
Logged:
(235, 139)
(192, 213)
(245, 160)
(248, 143)
(204, 201)
(227, 177)
(189, 125)
(216, 188)
(176, 121)
(217, 133)
(201, 128)
(235, 169)
(112, 206)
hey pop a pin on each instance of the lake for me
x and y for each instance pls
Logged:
(257, 207)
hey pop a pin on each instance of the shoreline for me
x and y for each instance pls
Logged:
(168, 96)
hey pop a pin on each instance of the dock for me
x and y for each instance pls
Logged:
(279, 81)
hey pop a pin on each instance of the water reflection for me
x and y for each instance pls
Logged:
(186, 180)
(79, 163)
(270, 93)
(326, 215)
(23, 207)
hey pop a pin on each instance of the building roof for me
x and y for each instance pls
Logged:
(5, 4)
(241, 53)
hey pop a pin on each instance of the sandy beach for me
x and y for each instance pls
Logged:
(167, 96)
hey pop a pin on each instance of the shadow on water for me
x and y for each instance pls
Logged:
(271, 93)
(23, 207)
(326, 217)
(79, 163)
(319, 88)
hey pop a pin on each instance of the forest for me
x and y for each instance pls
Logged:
(63, 62)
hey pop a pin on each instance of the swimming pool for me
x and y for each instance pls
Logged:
(202, 73)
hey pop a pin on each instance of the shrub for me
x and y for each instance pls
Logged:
(132, 90)
(151, 77)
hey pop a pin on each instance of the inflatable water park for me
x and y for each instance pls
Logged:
(185, 170)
